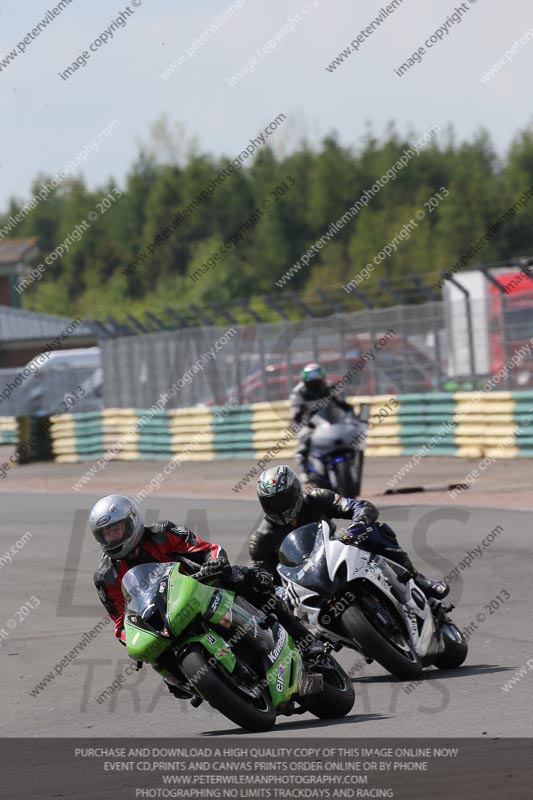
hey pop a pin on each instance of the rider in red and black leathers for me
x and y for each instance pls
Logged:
(164, 541)
(118, 527)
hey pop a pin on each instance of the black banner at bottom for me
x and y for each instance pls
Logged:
(263, 767)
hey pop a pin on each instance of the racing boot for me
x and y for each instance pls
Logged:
(432, 589)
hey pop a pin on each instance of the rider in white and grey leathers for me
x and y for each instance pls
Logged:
(310, 395)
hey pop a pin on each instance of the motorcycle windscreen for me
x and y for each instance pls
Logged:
(302, 557)
(140, 584)
(298, 545)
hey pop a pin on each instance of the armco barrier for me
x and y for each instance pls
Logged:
(464, 424)
(34, 439)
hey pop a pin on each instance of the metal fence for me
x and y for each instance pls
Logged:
(404, 349)
(435, 346)
(439, 345)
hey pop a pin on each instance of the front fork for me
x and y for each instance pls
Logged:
(440, 612)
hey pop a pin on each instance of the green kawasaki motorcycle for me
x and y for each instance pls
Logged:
(213, 645)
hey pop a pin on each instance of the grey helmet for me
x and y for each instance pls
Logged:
(110, 510)
(280, 494)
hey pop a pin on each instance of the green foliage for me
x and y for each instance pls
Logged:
(170, 176)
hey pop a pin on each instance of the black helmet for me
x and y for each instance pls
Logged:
(314, 378)
(280, 494)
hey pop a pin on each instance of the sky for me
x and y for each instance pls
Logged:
(47, 121)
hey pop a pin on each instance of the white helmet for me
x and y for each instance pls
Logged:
(110, 510)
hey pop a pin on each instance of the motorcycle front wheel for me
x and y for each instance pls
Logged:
(346, 483)
(336, 698)
(393, 652)
(223, 694)
(455, 648)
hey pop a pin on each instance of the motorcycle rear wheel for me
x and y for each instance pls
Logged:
(223, 695)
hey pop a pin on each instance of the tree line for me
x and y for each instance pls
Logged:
(243, 235)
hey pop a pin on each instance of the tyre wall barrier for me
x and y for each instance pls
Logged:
(464, 424)
(8, 430)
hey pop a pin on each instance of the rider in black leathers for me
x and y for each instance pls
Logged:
(287, 507)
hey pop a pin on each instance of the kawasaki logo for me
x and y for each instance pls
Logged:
(279, 644)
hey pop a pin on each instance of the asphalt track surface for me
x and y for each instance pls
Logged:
(57, 564)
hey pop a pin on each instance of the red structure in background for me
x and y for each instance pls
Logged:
(399, 360)
(510, 323)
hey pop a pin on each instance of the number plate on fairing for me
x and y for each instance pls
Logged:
(412, 620)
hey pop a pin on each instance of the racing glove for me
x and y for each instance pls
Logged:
(260, 580)
(251, 578)
(358, 533)
(215, 568)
